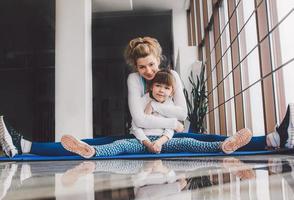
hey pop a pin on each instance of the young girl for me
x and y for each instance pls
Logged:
(161, 89)
(156, 140)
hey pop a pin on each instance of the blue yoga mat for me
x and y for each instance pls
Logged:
(30, 157)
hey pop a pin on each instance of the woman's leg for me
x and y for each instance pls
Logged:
(56, 149)
(256, 143)
(49, 149)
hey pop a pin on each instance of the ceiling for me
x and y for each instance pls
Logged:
(138, 5)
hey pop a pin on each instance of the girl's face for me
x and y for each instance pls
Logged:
(147, 66)
(161, 92)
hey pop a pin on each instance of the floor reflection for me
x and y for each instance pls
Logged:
(254, 177)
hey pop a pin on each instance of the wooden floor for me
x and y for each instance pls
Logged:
(247, 177)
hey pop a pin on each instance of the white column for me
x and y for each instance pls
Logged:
(73, 69)
(180, 33)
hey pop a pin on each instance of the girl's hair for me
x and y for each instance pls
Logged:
(164, 76)
(140, 48)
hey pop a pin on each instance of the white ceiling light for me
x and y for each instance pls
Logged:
(112, 5)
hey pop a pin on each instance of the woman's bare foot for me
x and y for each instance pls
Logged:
(238, 140)
(74, 145)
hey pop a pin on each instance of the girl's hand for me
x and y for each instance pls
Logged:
(180, 127)
(157, 146)
(148, 109)
(149, 146)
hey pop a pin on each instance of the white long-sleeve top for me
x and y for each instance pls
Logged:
(142, 133)
(175, 112)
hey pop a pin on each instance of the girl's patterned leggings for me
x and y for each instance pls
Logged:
(133, 146)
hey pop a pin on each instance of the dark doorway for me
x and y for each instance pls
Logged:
(27, 63)
(110, 35)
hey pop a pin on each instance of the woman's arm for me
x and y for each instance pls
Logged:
(136, 107)
(179, 108)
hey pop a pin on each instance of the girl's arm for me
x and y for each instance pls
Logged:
(166, 136)
(138, 133)
(169, 133)
(137, 110)
(143, 139)
(179, 108)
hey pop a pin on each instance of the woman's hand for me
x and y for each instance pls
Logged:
(148, 109)
(180, 127)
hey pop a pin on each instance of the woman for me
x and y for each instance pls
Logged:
(144, 55)
(155, 140)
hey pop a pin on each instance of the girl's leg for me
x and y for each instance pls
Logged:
(203, 137)
(190, 145)
(231, 144)
(85, 150)
(124, 146)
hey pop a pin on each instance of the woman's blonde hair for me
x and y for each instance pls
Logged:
(140, 48)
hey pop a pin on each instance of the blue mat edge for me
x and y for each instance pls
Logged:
(30, 157)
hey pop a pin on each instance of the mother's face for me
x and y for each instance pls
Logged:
(147, 66)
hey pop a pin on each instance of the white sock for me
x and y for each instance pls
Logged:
(290, 141)
(273, 140)
(6, 140)
(25, 145)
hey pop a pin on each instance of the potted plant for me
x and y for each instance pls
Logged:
(197, 102)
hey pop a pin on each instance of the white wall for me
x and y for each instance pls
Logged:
(73, 70)
(180, 33)
(185, 56)
(187, 63)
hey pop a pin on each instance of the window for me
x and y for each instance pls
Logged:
(281, 17)
(214, 82)
(201, 19)
(209, 8)
(250, 69)
(227, 68)
(256, 40)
